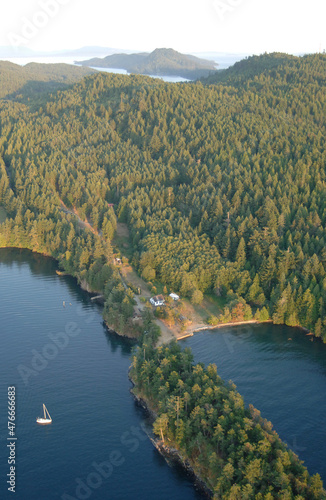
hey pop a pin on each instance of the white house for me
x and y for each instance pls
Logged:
(158, 300)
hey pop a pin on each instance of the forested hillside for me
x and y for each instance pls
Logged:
(251, 67)
(222, 186)
(35, 80)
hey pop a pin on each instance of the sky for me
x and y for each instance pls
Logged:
(190, 26)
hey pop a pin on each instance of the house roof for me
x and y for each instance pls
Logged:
(158, 298)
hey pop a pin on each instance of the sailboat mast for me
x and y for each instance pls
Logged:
(46, 410)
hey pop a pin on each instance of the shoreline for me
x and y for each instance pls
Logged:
(188, 333)
(110, 329)
(232, 323)
(167, 452)
(201, 328)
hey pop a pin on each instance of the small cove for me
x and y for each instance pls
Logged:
(285, 379)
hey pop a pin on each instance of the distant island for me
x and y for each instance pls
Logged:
(167, 62)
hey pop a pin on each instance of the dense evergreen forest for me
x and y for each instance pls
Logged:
(222, 185)
(35, 80)
(230, 447)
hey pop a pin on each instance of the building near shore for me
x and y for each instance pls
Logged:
(174, 296)
(158, 300)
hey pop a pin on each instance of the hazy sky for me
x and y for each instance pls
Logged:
(245, 26)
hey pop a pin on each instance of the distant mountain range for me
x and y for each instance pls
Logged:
(90, 51)
(160, 62)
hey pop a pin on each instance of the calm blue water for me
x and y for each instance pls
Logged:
(96, 447)
(285, 379)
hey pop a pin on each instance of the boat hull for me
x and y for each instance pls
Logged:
(44, 421)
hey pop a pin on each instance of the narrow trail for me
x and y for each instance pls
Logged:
(167, 333)
(82, 223)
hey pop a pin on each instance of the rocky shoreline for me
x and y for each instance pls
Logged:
(170, 454)
(112, 330)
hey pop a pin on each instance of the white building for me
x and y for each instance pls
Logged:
(174, 296)
(157, 300)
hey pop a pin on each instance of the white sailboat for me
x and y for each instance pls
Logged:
(45, 420)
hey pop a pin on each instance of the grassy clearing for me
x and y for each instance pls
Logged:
(121, 240)
(196, 314)
(211, 306)
(132, 277)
